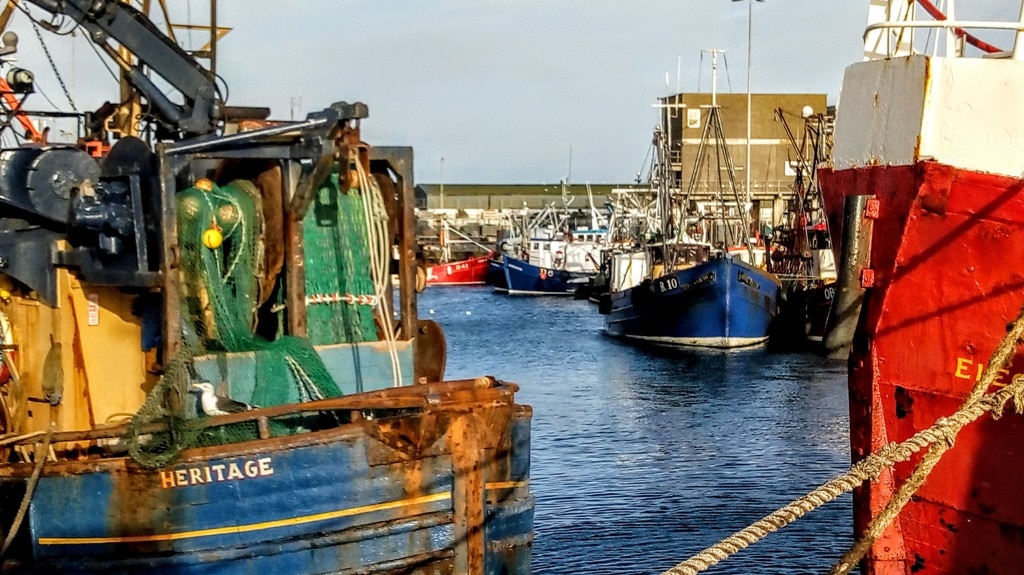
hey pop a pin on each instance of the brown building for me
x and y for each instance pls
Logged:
(772, 163)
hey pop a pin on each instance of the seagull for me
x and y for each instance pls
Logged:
(213, 404)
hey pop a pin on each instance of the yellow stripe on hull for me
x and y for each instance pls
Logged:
(268, 524)
(246, 528)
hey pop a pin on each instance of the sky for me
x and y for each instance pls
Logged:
(494, 91)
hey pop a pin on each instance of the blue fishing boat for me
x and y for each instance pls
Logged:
(703, 281)
(387, 494)
(207, 367)
(722, 303)
(523, 278)
(558, 263)
(548, 252)
(496, 274)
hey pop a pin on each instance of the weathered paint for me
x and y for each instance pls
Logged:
(355, 368)
(378, 494)
(956, 111)
(937, 141)
(946, 286)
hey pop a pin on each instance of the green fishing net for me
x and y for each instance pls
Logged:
(337, 265)
(221, 256)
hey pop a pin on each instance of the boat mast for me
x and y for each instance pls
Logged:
(664, 193)
(713, 128)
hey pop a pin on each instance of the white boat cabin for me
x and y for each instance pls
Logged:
(574, 251)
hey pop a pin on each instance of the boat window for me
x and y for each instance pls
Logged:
(536, 246)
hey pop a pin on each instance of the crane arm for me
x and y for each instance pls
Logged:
(110, 19)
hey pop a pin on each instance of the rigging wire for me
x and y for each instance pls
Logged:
(102, 58)
(700, 69)
(644, 165)
(53, 66)
(40, 91)
(728, 78)
(188, 20)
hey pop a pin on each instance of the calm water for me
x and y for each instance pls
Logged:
(640, 457)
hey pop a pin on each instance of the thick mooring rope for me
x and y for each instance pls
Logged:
(1000, 357)
(41, 453)
(939, 437)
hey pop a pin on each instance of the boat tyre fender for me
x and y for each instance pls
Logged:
(421, 279)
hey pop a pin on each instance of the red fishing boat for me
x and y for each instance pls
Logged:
(464, 272)
(937, 144)
(472, 271)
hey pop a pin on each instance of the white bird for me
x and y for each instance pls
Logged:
(213, 404)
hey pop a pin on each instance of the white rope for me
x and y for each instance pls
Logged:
(376, 217)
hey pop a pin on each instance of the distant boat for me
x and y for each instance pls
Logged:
(472, 271)
(801, 247)
(464, 272)
(524, 278)
(496, 274)
(557, 264)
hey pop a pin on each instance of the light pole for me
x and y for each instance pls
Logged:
(750, 29)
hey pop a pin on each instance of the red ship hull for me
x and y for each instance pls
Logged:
(472, 271)
(948, 261)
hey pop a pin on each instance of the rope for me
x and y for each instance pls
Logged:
(939, 437)
(1000, 357)
(376, 216)
(40, 455)
(18, 437)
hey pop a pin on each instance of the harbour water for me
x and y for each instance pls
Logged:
(643, 457)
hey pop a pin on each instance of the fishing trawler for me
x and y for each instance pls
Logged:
(701, 283)
(927, 161)
(801, 250)
(462, 272)
(548, 254)
(554, 264)
(206, 367)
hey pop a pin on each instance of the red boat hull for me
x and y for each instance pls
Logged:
(948, 262)
(472, 271)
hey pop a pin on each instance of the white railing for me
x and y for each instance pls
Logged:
(892, 24)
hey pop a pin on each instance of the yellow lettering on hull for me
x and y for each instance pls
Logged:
(973, 370)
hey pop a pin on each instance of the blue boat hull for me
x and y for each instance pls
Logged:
(440, 491)
(722, 303)
(522, 278)
(496, 274)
